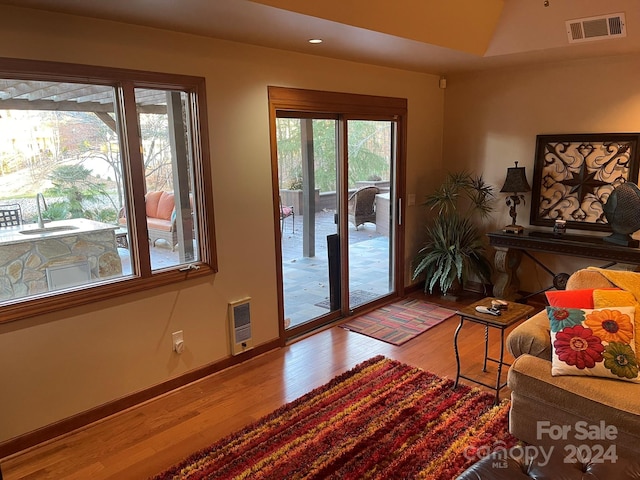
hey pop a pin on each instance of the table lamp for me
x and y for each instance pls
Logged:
(515, 183)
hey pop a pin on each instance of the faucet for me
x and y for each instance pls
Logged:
(38, 197)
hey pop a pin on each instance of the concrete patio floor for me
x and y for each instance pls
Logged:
(161, 257)
(306, 279)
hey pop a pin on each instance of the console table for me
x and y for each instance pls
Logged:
(511, 246)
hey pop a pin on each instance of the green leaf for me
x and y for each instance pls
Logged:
(454, 247)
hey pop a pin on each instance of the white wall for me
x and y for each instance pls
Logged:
(492, 119)
(57, 365)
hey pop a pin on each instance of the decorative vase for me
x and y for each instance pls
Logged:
(621, 210)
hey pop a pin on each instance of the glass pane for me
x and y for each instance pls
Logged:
(163, 118)
(61, 188)
(370, 206)
(307, 176)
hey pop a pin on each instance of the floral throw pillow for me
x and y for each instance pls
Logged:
(594, 342)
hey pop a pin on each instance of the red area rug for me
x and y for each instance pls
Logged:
(382, 420)
(399, 322)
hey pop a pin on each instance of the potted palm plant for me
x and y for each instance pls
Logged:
(455, 248)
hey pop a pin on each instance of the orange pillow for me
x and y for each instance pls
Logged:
(165, 206)
(151, 203)
(582, 298)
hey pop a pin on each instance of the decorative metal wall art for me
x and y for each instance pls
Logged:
(574, 174)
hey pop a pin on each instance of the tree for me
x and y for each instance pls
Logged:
(154, 131)
(84, 136)
(369, 147)
(75, 184)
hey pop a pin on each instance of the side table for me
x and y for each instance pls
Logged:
(512, 314)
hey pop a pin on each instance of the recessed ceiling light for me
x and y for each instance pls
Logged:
(315, 40)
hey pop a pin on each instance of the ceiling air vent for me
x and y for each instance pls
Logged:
(596, 28)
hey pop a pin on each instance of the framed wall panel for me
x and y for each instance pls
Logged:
(574, 174)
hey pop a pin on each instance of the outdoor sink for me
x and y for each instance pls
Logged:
(45, 230)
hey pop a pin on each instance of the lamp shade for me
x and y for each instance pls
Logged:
(516, 180)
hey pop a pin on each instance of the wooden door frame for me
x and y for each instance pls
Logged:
(285, 101)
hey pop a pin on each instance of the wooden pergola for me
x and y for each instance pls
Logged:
(71, 97)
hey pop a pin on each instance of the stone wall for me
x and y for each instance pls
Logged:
(23, 266)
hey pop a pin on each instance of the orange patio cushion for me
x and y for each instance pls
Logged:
(165, 206)
(158, 224)
(151, 203)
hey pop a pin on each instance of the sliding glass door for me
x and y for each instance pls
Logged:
(371, 209)
(308, 205)
(336, 197)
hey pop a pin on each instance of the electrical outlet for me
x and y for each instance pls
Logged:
(178, 341)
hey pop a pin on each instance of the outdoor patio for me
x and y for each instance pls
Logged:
(161, 257)
(306, 279)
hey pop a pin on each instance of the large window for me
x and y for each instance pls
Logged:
(104, 184)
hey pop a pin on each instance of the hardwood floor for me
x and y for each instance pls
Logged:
(149, 438)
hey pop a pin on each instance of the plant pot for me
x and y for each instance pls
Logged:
(454, 290)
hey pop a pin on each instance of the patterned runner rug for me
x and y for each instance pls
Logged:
(399, 322)
(382, 420)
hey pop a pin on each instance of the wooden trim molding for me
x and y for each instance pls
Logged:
(30, 439)
(287, 102)
(124, 82)
(297, 99)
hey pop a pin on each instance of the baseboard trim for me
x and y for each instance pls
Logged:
(469, 286)
(416, 287)
(67, 425)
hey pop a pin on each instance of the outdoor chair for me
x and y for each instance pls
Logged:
(361, 206)
(10, 215)
(285, 212)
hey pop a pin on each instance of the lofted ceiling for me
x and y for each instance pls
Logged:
(431, 36)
